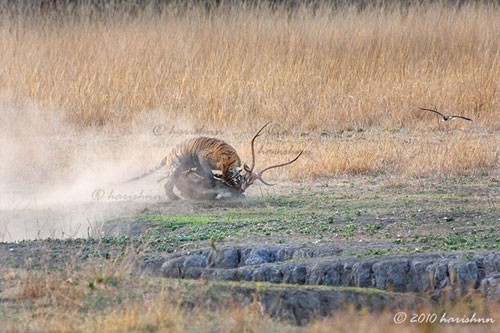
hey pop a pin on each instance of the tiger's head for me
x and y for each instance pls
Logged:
(232, 177)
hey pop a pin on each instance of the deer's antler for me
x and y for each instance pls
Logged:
(250, 175)
(258, 175)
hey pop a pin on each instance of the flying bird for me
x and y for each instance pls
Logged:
(445, 117)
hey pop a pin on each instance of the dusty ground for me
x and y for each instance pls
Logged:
(360, 216)
(353, 212)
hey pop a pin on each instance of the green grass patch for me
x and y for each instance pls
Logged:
(403, 219)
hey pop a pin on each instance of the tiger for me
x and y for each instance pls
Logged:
(201, 155)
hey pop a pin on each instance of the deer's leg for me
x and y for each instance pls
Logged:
(171, 182)
(193, 186)
(205, 170)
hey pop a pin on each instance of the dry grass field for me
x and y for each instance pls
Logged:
(90, 96)
(345, 85)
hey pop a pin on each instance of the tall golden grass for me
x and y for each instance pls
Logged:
(345, 84)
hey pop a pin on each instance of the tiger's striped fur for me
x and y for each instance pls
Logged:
(204, 155)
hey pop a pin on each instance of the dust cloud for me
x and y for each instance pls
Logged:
(60, 181)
